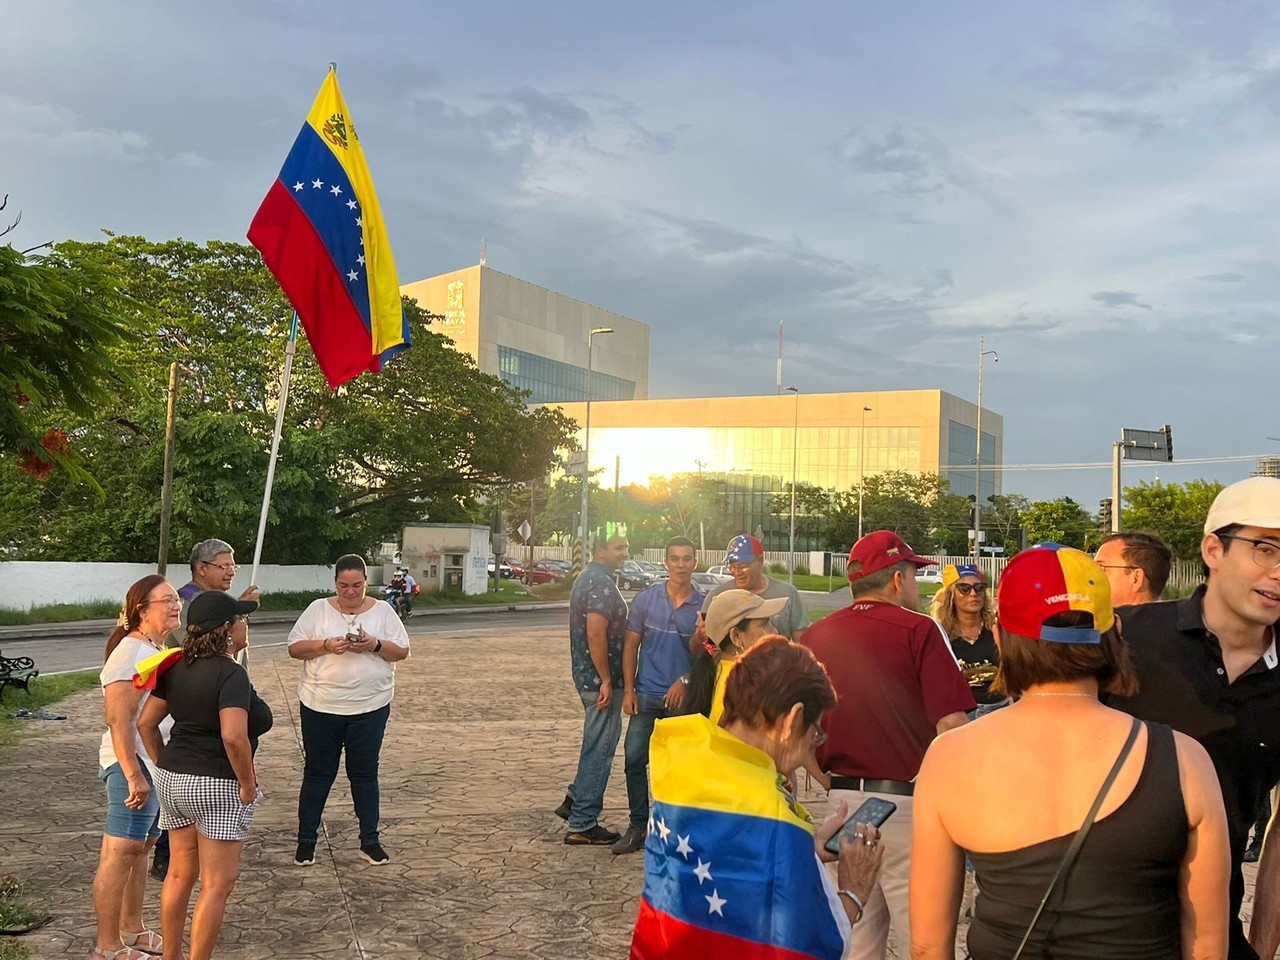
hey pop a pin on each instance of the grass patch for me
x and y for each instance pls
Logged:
(44, 691)
(509, 591)
(60, 613)
(556, 590)
(291, 599)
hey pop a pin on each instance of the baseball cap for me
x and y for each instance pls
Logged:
(954, 571)
(1049, 579)
(743, 549)
(731, 607)
(881, 549)
(1251, 503)
(213, 608)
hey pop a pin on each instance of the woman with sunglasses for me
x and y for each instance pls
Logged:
(964, 608)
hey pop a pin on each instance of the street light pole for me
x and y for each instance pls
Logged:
(795, 434)
(586, 445)
(977, 460)
(862, 456)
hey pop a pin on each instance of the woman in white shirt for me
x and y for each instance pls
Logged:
(349, 644)
(151, 610)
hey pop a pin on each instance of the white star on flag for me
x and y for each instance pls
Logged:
(359, 221)
(298, 186)
(335, 189)
(715, 902)
(664, 830)
(683, 847)
(352, 275)
(317, 184)
(702, 871)
(351, 204)
(360, 259)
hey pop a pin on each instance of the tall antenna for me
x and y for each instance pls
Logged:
(779, 357)
(482, 251)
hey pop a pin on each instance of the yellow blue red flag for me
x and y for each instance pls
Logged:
(730, 864)
(321, 233)
(150, 669)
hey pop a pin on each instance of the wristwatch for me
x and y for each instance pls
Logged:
(377, 647)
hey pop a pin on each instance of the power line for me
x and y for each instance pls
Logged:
(1099, 465)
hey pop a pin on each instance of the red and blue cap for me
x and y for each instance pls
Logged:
(743, 549)
(1049, 579)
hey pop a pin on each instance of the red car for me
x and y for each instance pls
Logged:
(542, 572)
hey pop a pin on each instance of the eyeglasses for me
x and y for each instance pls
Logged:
(1266, 554)
(1117, 566)
(968, 588)
(740, 567)
(224, 567)
(168, 601)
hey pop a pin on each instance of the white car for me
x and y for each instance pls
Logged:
(928, 575)
(721, 573)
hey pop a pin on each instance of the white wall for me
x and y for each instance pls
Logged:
(25, 584)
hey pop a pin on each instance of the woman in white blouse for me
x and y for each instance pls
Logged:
(349, 644)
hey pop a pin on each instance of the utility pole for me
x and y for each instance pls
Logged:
(166, 485)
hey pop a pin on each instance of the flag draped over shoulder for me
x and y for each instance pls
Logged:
(321, 234)
(730, 867)
(150, 669)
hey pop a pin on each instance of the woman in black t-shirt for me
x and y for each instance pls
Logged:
(205, 775)
(964, 608)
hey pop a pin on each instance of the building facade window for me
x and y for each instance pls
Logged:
(962, 443)
(552, 381)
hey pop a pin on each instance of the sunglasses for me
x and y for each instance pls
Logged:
(968, 588)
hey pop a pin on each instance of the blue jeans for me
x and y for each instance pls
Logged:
(636, 751)
(600, 732)
(984, 708)
(324, 736)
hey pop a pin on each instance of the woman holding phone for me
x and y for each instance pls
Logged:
(348, 644)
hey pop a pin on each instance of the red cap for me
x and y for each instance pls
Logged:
(881, 549)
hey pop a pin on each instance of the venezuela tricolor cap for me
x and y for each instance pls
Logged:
(1050, 579)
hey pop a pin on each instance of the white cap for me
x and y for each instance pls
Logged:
(1251, 503)
(731, 607)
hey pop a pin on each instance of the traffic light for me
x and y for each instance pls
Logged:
(1168, 442)
(1104, 514)
(973, 506)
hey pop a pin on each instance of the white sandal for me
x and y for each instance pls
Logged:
(148, 941)
(124, 953)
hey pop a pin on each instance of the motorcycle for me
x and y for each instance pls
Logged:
(398, 597)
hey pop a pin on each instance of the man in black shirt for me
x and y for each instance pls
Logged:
(1207, 666)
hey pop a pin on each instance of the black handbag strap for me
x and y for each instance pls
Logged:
(1077, 841)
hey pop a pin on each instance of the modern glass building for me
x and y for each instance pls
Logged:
(535, 338)
(748, 443)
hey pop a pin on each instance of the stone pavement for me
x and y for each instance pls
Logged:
(483, 737)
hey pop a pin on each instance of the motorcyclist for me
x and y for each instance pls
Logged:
(400, 590)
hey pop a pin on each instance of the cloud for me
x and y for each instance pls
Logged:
(59, 131)
(1222, 278)
(912, 163)
(1137, 122)
(1119, 298)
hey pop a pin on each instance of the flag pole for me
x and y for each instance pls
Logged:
(290, 349)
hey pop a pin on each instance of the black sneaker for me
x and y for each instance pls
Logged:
(565, 809)
(631, 841)
(1253, 851)
(374, 853)
(596, 836)
(305, 855)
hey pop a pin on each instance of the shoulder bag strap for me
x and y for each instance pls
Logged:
(1077, 841)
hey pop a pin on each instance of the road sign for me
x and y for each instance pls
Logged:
(577, 464)
(525, 531)
(1147, 444)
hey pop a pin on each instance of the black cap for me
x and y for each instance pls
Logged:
(212, 608)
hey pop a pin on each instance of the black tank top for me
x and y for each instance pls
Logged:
(1120, 900)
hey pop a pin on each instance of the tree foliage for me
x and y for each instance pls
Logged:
(1176, 511)
(1060, 521)
(428, 437)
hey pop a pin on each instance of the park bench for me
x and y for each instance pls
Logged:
(18, 672)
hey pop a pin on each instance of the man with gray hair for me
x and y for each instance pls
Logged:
(213, 567)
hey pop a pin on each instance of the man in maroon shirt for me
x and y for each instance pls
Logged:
(899, 687)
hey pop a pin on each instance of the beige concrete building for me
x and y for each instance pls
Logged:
(835, 438)
(535, 338)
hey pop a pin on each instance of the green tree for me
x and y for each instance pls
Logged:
(1176, 511)
(1060, 521)
(1002, 520)
(63, 321)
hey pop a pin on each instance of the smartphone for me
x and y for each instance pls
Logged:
(874, 811)
(353, 636)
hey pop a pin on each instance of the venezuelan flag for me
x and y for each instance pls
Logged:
(321, 234)
(150, 669)
(730, 867)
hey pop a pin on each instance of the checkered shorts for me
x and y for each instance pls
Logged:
(212, 804)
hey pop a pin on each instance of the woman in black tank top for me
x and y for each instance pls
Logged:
(1149, 881)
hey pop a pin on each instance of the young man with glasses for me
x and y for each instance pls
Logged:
(1136, 564)
(1207, 666)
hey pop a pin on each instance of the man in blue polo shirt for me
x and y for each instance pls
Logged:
(655, 667)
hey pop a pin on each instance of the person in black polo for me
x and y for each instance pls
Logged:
(1207, 666)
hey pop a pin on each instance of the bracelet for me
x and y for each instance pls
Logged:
(857, 901)
(378, 647)
(685, 679)
(325, 644)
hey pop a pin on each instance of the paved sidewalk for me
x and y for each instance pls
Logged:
(483, 737)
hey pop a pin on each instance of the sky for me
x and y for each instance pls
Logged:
(1092, 187)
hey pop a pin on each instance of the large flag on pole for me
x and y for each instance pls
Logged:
(321, 234)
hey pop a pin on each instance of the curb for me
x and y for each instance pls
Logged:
(101, 628)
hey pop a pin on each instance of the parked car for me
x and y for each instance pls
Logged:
(721, 573)
(544, 571)
(707, 581)
(517, 569)
(507, 571)
(929, 575)
(653, 569)
(632, 576)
